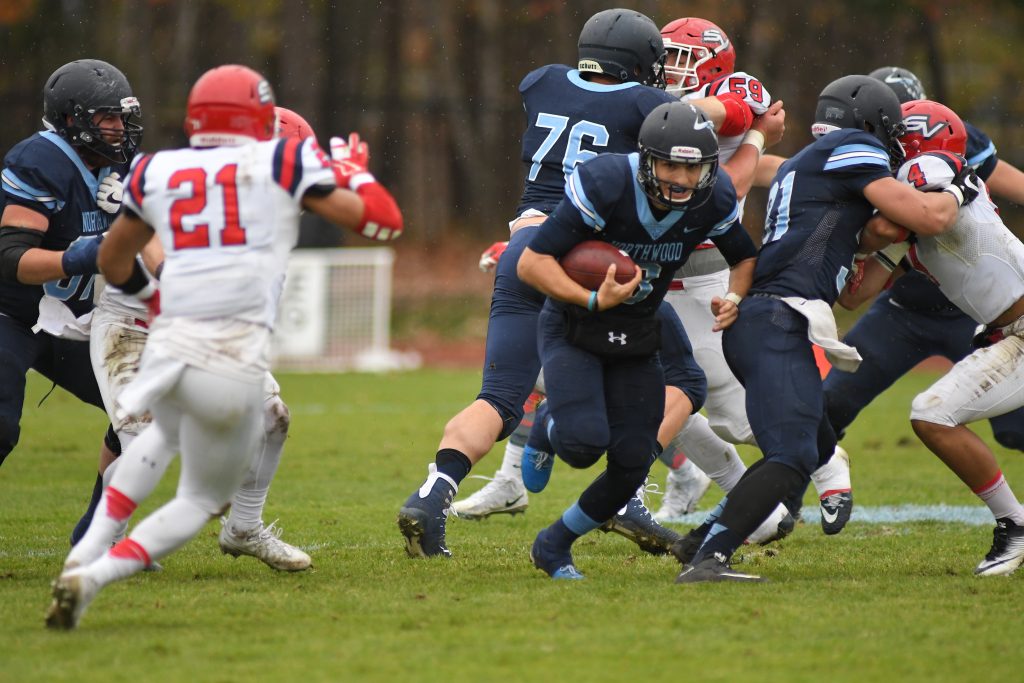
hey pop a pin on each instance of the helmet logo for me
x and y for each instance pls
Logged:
(835, 113)
(912, 86)
(684, 153)
(701, 124)
(589, 65)
(918, 123)
(129, 104)
(265, 94)
(712, 35)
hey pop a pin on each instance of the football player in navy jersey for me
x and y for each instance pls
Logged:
(572, 116)
(61, 189)
(913, 320)
(599, 349)
(817, 206)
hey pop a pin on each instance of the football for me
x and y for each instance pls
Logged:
(587, 263)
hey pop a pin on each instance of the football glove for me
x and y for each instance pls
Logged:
(351, 159)
(489, 259)
(80, 256)
(108, 197)
(964, 187)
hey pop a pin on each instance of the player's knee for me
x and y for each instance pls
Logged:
(510, 414)
(930, 407)
(1009, 438)
(581, 442)
(276, 416)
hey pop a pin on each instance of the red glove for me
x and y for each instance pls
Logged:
(350, 161)
(858, 273)
(489, 259)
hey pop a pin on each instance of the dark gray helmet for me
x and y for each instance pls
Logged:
(623, 44)
(679, 132)
(82, 89)
(864, 103)
(903, 82)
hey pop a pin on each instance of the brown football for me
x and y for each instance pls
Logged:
(587, 263)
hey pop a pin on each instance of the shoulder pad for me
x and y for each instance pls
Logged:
(930, 171)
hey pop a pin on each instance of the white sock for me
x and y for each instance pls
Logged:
(1000, 500)
(717, 458)
(248, 502)
(512, 463)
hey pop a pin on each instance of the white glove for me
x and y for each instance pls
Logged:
(108, 197)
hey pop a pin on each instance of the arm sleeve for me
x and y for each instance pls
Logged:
(30, 185)
(858, 160)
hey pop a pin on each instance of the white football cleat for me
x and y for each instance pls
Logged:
(72, 593)
(835, 493)
(265, 544)
(778, 525)
(1007, 552)
(684, 487)
(501, 495)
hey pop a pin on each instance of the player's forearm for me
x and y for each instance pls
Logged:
(38, 266)
(125, 239)
(543, 273)
(767, 167)
(741, 276)
(1007, 182)
(742, 168)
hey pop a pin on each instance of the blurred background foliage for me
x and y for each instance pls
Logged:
(432, 84)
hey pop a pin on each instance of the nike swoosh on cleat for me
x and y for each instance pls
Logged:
(512, 502)
(830, 518)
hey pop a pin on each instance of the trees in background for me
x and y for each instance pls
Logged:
(432, 84)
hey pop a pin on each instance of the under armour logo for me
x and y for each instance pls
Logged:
(620, 338)
(919, 123)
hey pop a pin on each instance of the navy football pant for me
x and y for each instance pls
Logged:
(599, 405)
(768, 351)
(64, 362)
(892, 340)
(511, 361)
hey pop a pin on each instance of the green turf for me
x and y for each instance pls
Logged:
(876, 603)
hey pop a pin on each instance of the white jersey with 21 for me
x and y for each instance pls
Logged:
(227, 218)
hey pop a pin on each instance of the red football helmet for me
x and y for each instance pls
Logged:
(230, 105)
(698, 52)
(932, 127)
(291, 125)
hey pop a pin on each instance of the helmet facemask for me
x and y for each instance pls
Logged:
(651, 184)
(682, 64)
(82, 131)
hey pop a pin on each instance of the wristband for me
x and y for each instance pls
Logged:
(956, 193)
(755, 138)
(592, 301)
(733, 297)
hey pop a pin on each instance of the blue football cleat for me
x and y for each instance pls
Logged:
(536, 469)
(555, 562)
(422, 519)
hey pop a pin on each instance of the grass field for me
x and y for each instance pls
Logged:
(876, 603)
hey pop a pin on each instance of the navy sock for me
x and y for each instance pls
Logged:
(453, 463)
(720, 539)
(538, 438)
(86, 520)
(561, 536)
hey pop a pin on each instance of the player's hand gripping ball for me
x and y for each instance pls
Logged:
(587, 263)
